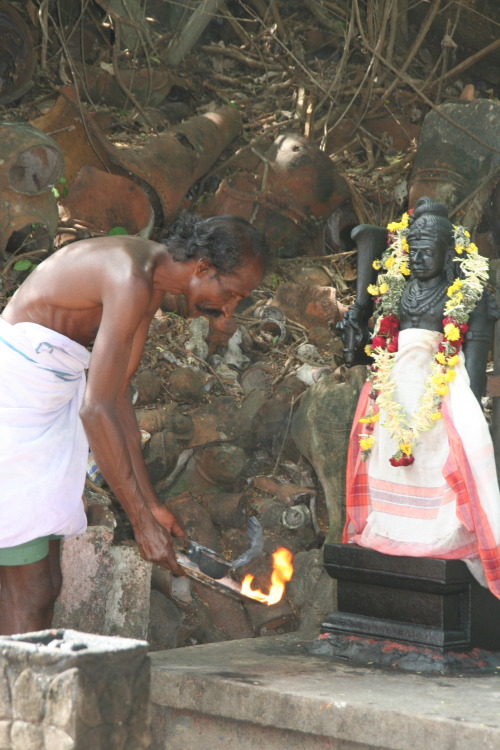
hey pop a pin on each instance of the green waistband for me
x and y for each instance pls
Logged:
(26, 553)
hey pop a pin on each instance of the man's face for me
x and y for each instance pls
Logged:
(428, 250)
(215, 294)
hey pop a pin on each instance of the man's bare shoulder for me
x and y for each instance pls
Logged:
(107, 250)
(94, 267)
(68, 291)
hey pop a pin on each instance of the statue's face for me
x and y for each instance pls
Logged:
(428, 249)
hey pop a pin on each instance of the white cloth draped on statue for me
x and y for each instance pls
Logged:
(43, 447)
(447, 503)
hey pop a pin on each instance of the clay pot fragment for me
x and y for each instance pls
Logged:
(148, 387)
(226, 509)
(211, 469)
(167, 164)
(17, 56)
(165, 418)
(286, 492)
(31, 164)
(102, 201)
(149, 86)
(195, 521)
(311, 306)
(76, 134)
(186, 384)
(294, 189)
(160, 454)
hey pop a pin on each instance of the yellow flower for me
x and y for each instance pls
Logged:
(451, 332)
(467, 234)
(366, 443)
(394, 226)
(471, 248)
(405, 219)
(405, 448)
(389, 262)
(383, 288)
(450, 375)
(436, 415)
(441, 390)
(372, 289)
(370, 419)
(404, 269)
(405, 246)
(452, 361)
(377, 265)
(441, 358)
(459, 249)
(368, 350)
(454, 288)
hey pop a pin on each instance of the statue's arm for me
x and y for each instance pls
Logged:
(478, 341)
(370, 241)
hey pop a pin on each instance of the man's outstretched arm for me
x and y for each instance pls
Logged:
(110, 423)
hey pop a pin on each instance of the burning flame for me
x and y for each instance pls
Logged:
(282, 572)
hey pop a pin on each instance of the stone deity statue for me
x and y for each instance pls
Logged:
(421, 478)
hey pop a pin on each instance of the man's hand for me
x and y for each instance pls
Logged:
(154, 539)
(167, 519)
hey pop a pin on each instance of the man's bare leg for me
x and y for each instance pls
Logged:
(28, 593)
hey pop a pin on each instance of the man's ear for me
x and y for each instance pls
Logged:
(202, 266)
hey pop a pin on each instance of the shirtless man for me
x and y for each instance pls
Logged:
(105, 292)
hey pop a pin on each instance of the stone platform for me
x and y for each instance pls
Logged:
(269, 693)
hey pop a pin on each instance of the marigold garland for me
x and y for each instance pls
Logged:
(463, 295)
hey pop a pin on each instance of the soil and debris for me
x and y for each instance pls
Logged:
(355, 78)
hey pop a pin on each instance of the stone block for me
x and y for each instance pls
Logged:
(5, 697)
(5, 735)
(75, 691)
(165, 620)
(57, 739)
(24, 735)
(87, 567)
(127, 605)
(311, 590)
(61, 698)
(105, 587)
(28, 696)
(323, 438)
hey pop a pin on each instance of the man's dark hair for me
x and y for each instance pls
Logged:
(226, 241)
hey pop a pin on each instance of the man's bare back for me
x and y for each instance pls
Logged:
(66, 292)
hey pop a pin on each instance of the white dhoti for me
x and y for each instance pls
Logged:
(447, 503)
(43, 447)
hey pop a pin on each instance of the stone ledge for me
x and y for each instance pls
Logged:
(273, 683)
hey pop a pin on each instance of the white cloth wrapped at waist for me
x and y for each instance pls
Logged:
(43, 447)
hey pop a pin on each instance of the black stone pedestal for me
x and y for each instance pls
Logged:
(423, 606)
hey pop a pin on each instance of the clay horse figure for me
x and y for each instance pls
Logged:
(421, 477)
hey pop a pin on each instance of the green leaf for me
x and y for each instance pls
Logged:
(23, 265)
(118, 230)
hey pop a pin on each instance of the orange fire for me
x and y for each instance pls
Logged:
(282, 572)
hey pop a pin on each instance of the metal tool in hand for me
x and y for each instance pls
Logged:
(215, 566)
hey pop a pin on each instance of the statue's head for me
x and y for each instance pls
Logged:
(430, 239)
